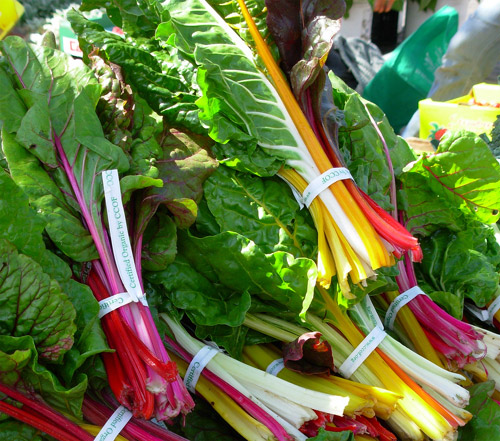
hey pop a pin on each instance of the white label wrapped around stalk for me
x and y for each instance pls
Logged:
(398, 303)
(114, 425)
(493, 308)
(114, 302)
(322, 182)
(276, 366)
(122, 250)
(198, 363)
(362, 351)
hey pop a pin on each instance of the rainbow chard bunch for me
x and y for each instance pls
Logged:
(462, 256)
(56, 152)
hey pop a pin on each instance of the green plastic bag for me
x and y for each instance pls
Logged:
(407, 76)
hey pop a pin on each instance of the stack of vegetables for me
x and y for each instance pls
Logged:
(221, 122)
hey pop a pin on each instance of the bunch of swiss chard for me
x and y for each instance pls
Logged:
(56, 149)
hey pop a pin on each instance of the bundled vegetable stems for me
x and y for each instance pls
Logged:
(39, 415)
(352, 238)
(68, 154)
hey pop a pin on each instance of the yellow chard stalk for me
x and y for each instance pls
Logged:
(348, 217)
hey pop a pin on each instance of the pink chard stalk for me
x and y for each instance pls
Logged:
(453, 338)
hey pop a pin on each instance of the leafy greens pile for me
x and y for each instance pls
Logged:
(216, 244)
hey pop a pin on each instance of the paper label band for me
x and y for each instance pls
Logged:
(198, 363)
(398, 303)
(114, 425)
(118, 232)
(493, 308)
(362, 351)
(372, 312)
(275, 367)
(481, 314)
(322, 182)
(113, 302)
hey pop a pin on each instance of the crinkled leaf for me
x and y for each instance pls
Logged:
(231, 13)
(183, 164)
(130, 183)
(161, 77)
(62, 224)
(465, 263)
(317, 40)
(16, 431)
(361, 147)
(471, 186)
(324, 435)
(62, 115)
(19, 223)
(159, 243)
(309, 355)
(263, 210)
(425, 211)
(184, 211)
(89, 337)
(239, 103)
(255, 161)
(485, 424)
(19, 367)
(239, 264)
(231, 338)
(12, 105)
(204, 302)
(135, 17)
(33, 304)
(290, 23)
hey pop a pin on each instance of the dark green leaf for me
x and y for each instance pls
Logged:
(324, 435)
(263, 210)
(473, 187)
(205, 303)
(89, 337)
(19, 367)
(33, 304)
(232, 339)
(485, 424)
(17, 431)
(239, 264)
(159, 243)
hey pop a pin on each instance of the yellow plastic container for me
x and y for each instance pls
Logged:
(461, 113)
(10, 12)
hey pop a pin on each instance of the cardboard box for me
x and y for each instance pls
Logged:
(475, 112)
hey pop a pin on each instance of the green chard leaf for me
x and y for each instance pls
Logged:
(465, 263)
(89, 336)
(263, 210)
(159, 243)
(239, 264)
(33, 304)
(161, 77)
(16, 431)
(361, 146)
(204, 302)
(450, 180)
(324, 435)
(61, 118)
(485, 424)
(239, 104)
(20, 368)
